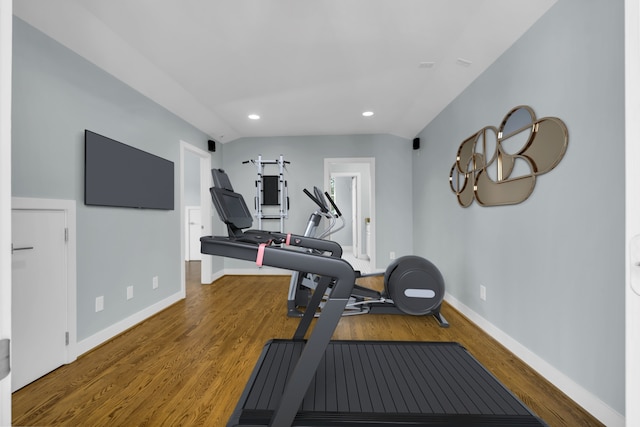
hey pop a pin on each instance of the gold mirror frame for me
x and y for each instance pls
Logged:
(540, 145)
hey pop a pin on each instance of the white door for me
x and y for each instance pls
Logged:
(194, 223)
(355, 238)
(39, 294)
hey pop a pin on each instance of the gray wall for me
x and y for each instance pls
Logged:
(191, 179)
(57, 95)
(307, 153)
(553, 265)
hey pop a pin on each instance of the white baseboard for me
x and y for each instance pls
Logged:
(106, 334)
(215, 276)
(581, 396)
(212, 277)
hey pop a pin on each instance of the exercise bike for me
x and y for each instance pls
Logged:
(412, 285)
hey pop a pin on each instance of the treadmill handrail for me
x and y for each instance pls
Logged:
(318, 340)
(323, 265)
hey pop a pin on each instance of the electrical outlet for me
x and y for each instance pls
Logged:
(99, 304)
(155, 282)
(129, 292)
(483, 293)
(392, 255)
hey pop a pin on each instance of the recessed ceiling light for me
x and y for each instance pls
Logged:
(368, 113)
(463, 62)
(254, 116)
(426, 65)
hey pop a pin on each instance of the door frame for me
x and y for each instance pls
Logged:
(206, 265)
(6, 37)
(632, 208)
(69, 208)
(356, 207)
(342, 165)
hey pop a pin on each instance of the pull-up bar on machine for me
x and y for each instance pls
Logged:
(271, 190)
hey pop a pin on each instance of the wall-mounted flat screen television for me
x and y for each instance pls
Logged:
(116, 174)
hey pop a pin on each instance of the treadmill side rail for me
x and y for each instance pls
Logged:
(318, 341)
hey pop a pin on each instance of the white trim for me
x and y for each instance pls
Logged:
(112, 331)
(581, 396)
(69, 208)
(215, 276)
(632, 210)
(116, 329)
(6, 35)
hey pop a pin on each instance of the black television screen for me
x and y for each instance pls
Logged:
(116, 174)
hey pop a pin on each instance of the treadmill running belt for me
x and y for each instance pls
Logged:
(384, 383)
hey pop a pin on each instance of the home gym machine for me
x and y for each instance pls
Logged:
(320, 382)
(412, 285)
(271, 190)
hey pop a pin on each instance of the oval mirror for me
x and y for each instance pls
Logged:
(516, 130)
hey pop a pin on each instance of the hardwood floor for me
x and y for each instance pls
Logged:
(188, 364)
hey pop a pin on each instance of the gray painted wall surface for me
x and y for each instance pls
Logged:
(191, 179)
(307, 154)
(553, 265)
(57, 95)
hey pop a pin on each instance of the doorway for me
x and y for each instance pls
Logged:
(193, 232)
(360, 173)
(345, 191)
(203, 166)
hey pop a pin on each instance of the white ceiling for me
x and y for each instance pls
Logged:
(307, 67)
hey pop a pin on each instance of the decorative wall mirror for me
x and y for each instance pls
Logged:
(499, 166)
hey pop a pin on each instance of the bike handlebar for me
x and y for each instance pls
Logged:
(333, 204)
(323, 206)
(317, 202)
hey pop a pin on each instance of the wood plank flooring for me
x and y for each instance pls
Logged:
(188, 364)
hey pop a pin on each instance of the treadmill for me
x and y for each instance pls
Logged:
(320, 382)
